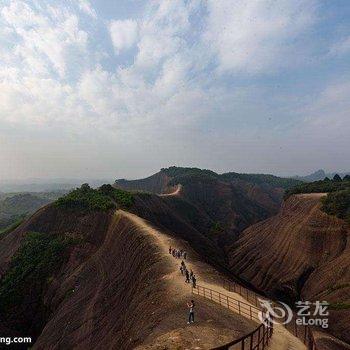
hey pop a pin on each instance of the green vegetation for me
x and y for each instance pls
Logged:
(325, 185)
(338, 204)
(22, 203)
(259, 179)
(180, 175)
(11, 227)
(337, 201)
(86, 198)
(30, 270)
(174, 172)
(123, 198)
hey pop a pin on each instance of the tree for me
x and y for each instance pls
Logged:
(85, 188)
(337, 178)
(326, 179)
(106, 189)
(346, 178)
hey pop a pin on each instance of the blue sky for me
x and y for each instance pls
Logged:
(123, 88)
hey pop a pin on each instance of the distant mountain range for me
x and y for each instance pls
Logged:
(318, 175)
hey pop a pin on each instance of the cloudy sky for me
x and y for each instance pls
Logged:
(122, 88)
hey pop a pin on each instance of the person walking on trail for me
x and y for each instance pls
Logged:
(191, 312)
(191, 275)
(185, 255)
(182, 270)
(170, 250)
(194, 281)
(187, 276)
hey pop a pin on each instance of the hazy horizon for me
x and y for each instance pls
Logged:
(70, 180)
(102, 89)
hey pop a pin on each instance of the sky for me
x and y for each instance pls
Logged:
(120, 89)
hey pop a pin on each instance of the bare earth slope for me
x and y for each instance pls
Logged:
(299, 253)
(229, 203)
(117, 289)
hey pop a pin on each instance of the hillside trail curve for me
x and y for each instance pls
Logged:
(206, 276)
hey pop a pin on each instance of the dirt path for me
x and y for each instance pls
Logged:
(175, 193)
(206, 277)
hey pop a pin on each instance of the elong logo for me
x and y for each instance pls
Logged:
(308, 314)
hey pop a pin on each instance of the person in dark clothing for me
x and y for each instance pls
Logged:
(185, 255)
(170, 250)
(191, 275)
(191, 312)
(181, 270)
(194, 280)
(187, 276)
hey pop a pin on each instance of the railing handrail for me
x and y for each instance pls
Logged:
(308, 338)
(231, 298)
(244, 337)
(266, 325)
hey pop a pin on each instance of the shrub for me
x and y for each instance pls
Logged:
(30, 269)
(87, 199)
(325, 185)
(123, 198)
(338, 204)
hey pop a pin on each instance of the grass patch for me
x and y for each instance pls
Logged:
(30, 271)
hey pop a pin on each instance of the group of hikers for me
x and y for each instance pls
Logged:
(189, 277)
(178, 253)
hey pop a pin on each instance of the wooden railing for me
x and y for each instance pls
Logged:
(235, 305)
(257, 339)
(302, 332)
(246, 293)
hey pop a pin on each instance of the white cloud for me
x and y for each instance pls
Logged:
(44, 37)
(256, 36)
(85, 6)
(123, 33)
(57, 71)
